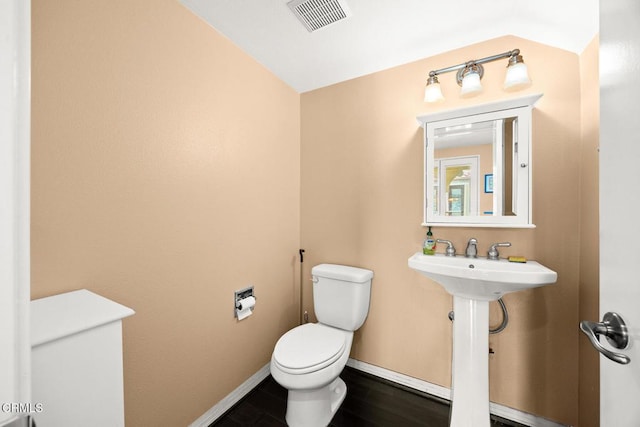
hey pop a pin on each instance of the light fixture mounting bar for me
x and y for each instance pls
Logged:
(508, 54)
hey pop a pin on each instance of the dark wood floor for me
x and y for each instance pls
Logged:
(370, 401)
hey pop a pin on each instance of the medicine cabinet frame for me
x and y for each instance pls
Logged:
(517, 112)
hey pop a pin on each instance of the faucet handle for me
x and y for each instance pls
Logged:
(472, 248)
(493, 250)
(450, 251)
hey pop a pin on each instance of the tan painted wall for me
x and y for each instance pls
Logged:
(589, 229)
(361, 205)
(166, 175)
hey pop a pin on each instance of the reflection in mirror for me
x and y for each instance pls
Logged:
(455, 186)
(472, 168)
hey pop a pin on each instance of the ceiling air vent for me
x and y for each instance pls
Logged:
(316, 14)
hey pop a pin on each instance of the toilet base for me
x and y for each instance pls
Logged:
(315, 408)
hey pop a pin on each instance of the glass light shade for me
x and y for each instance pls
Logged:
(433, 93)
(517, 77)
(471, 85)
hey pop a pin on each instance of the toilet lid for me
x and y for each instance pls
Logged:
(309, 348)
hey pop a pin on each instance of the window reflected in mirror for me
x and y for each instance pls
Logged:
(455, 184)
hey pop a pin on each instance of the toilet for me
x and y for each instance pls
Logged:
(308, 359)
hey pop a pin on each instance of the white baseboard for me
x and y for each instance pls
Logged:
(433, 389)
(398, 378)
(231, 399)
(445, 393)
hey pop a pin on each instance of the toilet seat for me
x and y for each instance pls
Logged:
(309, 348)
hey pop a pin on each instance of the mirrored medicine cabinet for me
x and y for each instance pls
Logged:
(477, 165)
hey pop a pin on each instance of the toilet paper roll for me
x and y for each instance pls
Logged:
(244, 307)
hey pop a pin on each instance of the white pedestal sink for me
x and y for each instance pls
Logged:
(474, 282)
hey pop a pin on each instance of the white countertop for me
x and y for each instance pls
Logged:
(65, 314)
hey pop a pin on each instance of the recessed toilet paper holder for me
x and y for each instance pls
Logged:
(239, 296)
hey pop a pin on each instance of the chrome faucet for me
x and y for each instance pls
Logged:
(472, 248)
(493, 250)
(450, 251)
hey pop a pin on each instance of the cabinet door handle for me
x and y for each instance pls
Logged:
(612, 327)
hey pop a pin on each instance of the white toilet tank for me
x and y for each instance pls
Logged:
(341, 295)
(77, 376)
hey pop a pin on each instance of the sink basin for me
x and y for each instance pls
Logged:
(481, 278)
(474, 282)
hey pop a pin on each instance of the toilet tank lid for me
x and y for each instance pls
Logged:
(342, 272)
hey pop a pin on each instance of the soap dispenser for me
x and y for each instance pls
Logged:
(429, 245)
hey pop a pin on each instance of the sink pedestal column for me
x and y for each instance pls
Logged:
(470, 367)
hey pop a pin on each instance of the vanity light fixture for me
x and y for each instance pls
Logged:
(470, 73)
(469, 79)
(432, 92)
(517, 75)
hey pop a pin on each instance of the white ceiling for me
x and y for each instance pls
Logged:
(382, 34)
